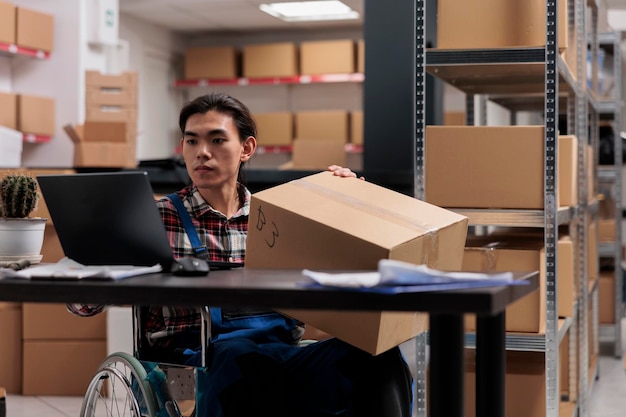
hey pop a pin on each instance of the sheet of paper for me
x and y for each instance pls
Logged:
(69, 269)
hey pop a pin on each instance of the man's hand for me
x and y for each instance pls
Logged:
(343, 172)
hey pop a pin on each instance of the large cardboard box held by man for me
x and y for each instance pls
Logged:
(326, 222)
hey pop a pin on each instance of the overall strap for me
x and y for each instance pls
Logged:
(199, 249)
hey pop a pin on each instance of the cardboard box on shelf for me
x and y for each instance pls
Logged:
(308, 223)
(103, 113)
(11, 144)
(274, 128)
(111, 96)
(322, 124)
(479, 24)
(327, 57)
(316, 154)
(360, 56)
(606, 297)
(11, 347)
(270, 60)
(51, 321)
(356, 127)
(606, 230)
(454, 118)
(525, 382)
(122, 80)
(104, 132)
(496, 167)
(8, 110)
(36, 115)
(211, 62)
(100, 154)
(512, 253)
(34, 29)
(7, 22)
(47, 361)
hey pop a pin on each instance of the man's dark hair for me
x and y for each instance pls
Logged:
(222, 103)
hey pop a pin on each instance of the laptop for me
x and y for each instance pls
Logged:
(107, 218)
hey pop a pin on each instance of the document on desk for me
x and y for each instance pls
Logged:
(397, 277)
(68, 269)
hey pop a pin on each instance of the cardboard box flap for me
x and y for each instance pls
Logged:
(75, 133)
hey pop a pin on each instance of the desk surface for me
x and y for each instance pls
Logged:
(259, 288)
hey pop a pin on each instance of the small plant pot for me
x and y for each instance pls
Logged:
(21, 238)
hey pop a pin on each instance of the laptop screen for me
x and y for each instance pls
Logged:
(107, 218)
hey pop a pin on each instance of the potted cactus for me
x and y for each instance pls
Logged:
(21, 236)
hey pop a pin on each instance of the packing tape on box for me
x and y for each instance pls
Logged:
(430, 254)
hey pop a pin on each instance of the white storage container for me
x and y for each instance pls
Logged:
(11, 142)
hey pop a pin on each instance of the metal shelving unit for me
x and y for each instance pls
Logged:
(529, 78)
(610, 108)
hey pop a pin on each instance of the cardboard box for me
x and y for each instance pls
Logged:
(360, 56)
(606, 297)
(11, 347)
(111, 96)
(47, 321)
(454, 118)
(497, 167)
(356, 127)
(525, 382)
(322, 124)
(7, 22)
(606, 230)
(309, 223)
(60, 367)
(51, 251)
(8, 110)
(327, 57)
(211, 62)
(36, 115)
(517, 254)
(100, 154)
(479, 24)
(123, 80)
(104, 132)
(103, 113)
(11, 144)
(34, 29)
(275, 128)
(270, 60)
(317, 154)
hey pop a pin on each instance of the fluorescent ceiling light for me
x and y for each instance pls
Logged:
(300, 11)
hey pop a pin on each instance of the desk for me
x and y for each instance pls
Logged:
(280, 289)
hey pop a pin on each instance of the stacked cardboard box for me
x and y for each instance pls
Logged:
(57, 343)
(109, 135)
(36, 115)
(11, 347)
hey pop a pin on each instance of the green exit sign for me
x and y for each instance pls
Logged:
(109, 18)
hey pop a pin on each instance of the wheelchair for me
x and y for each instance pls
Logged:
(130, 385)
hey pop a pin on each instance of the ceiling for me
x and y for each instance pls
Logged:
(221, 15)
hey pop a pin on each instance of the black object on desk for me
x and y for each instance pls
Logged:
(275, 289)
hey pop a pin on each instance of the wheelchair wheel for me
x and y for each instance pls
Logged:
(119, 389)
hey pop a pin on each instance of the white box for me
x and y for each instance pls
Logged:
(11, 142)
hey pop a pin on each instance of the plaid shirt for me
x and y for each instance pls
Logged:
(226, 240)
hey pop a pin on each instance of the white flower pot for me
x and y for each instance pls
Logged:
(21, 237)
